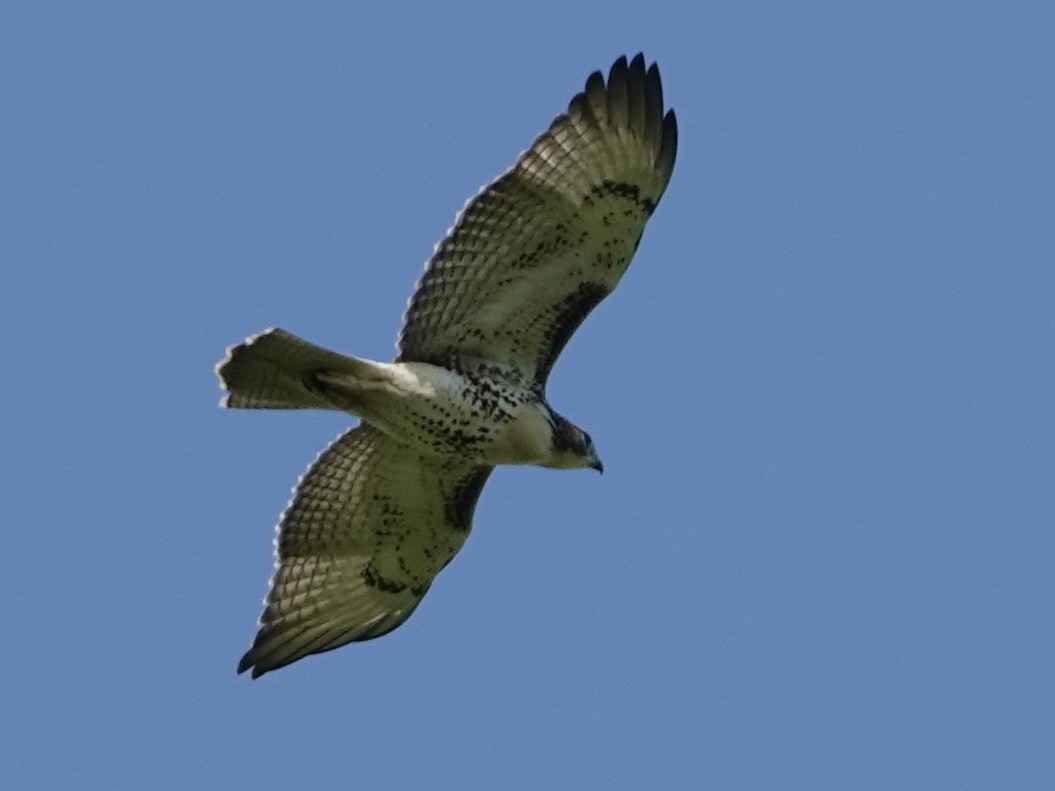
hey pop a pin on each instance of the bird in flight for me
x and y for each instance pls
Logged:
(387, 505)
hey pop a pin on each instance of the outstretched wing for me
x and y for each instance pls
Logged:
(370, 525)
(533, 253)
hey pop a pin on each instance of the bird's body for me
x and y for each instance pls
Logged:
(389, 503)
(433, 409)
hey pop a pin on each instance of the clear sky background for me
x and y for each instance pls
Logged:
(822, 552)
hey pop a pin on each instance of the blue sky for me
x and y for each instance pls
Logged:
(822, 551)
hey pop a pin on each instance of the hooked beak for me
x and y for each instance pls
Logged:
(597, 465)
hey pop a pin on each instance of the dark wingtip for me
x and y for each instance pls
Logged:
(244, 664)
(669, 150)
(642, 83)
(249, 661)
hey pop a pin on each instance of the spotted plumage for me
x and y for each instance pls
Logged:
(388, 504)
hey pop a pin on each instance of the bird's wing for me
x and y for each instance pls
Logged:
(531, 255)
(370, 525)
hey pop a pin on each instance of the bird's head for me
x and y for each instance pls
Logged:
(572, 447)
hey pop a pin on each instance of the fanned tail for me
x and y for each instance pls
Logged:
(275, 369)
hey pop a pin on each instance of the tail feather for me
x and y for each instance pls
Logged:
(275, 369)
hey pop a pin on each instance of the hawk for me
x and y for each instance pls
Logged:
(388, 504)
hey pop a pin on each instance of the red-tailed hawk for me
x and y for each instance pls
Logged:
(386, 506)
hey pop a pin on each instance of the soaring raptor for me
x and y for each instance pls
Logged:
(386, 506)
